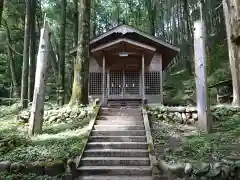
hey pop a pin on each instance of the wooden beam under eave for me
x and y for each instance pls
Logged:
(124, 40)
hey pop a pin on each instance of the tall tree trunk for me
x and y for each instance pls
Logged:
(118, 13)
(36, 118)
(151, 8)
(53, 59)
(32, 52)
(62, 52)
(24, 84)
(1, 9)
(39, 16)
(232, 15)
(11, 60)
(81, 69)
(188, 54)
(207, 19)
(94, 19)
(75, 22)
(75, 33)
(174, 27)
(163, 19)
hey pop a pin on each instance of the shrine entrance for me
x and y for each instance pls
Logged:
(127, 64)
(124, 85)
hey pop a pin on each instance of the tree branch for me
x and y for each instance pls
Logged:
(219, 6)
(9, 45)
(14, 50)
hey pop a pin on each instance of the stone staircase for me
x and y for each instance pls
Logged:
(117, 148)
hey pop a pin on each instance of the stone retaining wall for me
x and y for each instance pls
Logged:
(38, 168)
(227, 169)
(182, 115)
(188, 115)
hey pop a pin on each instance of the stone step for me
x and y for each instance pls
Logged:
(115, 170)
(124, 109)
(161, 177)
(118, 122)
(129, 112)
(121, 118)
(118, 133)
(125, 105)
(115, 161)
(118, 127)
(119, 114)
(115, 178)
(117, 145)
(117, 139)
(116, 153)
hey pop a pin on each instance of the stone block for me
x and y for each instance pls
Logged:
(35, 168)
(17, 167)
(54, 168)
(5, 166)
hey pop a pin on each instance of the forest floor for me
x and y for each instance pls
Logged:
(175, 142)
(62, 138)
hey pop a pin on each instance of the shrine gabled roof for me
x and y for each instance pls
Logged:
(126, 30)
(167, 50)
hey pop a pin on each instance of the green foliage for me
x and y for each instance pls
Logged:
(59, 141)
(5, 176)
(13, 14)
(46, 148)
(219, 58)
(219, 75)
(222, 142)
(184, 93)
(9, 110)
(179, 93)
(109, 14)
(4, 78)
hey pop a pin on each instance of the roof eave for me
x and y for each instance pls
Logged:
(123, 29)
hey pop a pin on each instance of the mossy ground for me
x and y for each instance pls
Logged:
(60, 140)
(5, 176)
(183, 143)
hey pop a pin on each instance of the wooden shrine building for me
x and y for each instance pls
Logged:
(128, 64)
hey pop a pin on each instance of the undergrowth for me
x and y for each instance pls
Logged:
(59, 140)
(179, 86)
(7, 176)
(222, 142)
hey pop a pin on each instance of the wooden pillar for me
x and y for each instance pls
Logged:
(161, 79)
(37, 112)
(200, 76)
(103, 79)
(108, 83)
(140, 83)
(143, 77)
